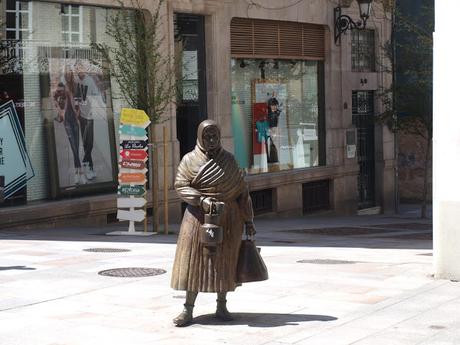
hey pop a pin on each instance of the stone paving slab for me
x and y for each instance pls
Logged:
(348, 289)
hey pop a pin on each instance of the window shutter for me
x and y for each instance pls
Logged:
(313, 41)
(241, 37)
(260, 38)
(290, 39)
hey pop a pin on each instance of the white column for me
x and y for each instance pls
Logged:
(446, 141)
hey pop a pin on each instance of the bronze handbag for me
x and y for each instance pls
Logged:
(251, 266)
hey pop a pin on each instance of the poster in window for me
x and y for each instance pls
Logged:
(270, 141)
(78, 110)
(15, 165)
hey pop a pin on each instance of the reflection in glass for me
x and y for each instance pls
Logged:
(275, 114)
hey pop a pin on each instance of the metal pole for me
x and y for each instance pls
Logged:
(165, 180)
(396, 124)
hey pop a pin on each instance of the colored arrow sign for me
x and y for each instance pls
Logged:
(131, 178)
(132, 131)
(126, 171)
(129, 137)
(131, 202)
(134, 117)
(133, 144)
(136, 190)
(133, 154)
(132, 164)
(135, 215)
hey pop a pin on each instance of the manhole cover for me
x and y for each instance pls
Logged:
(405, 226)
(107, 250)
(341, 231)
(132, 272)
(428, 236)
(326, 262)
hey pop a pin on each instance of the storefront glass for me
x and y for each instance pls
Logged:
(58, 109)
(275, 114)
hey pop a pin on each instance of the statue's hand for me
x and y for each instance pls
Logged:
(206, 203)
(250, 229)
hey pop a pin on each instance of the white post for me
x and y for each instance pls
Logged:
(446, 142)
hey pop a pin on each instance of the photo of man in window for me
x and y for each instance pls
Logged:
(87, 92)
(81, 141)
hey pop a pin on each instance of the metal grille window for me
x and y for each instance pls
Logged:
(362, 51)
(363, 119)
(18, 20)
(315, 196)
(71, 18)
(262, 201)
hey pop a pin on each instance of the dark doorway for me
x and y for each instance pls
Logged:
(363, 119)
(191, 106)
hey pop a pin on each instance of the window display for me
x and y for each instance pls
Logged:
(66, 107)
(81, 142)
(275, 113)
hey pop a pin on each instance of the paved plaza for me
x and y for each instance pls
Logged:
(333, 280)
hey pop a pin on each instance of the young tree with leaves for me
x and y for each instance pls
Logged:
(144, 70)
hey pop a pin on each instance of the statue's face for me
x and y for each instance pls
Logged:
(211, 140)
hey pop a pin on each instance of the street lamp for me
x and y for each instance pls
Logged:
(343, 23)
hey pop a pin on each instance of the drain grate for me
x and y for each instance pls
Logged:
(327, 262)
(437, 327)
(341, 231)
(106, 250)
(426, 236)
(132, 272)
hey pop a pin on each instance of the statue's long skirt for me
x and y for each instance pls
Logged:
(194, 269)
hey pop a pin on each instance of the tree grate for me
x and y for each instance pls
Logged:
(327, 262)
(132, 272)
(106, 250)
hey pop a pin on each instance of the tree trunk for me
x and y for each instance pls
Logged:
(425, 178)
(154, 180)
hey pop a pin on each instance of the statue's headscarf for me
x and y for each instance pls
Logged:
(201, 129)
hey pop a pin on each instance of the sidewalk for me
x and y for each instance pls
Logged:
(333, 280)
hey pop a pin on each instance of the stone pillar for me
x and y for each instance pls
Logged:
(446, 142)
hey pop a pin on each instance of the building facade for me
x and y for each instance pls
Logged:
(295, 105)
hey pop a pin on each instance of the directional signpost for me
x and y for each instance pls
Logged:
(132, 164)
(134, 144)
(134, 154)
(133, 131)
(132, 170)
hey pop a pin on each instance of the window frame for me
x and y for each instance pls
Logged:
(18, 12)
(363, 44)
(68, 33)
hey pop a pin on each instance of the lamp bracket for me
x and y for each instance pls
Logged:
(343, 23)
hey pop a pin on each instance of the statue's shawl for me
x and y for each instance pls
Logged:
(200, 175)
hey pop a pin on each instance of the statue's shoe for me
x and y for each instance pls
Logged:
(223, 314)
(184, 319)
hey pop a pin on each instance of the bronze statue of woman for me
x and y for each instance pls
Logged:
(205, 176)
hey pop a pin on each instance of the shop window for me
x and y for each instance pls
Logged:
(363, 50)
(18, 20)
(47, 151)
(276, 114)
(71, 20)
